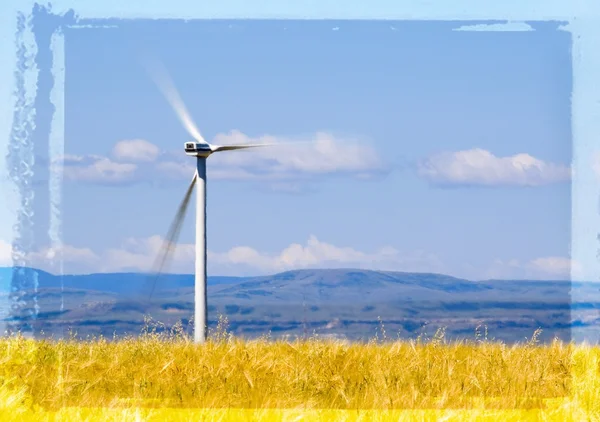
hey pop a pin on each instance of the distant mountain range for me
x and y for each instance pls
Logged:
(329, 302)
(119, 283)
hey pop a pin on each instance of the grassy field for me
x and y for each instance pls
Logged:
(166, 377)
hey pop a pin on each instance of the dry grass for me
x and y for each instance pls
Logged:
(235, 380)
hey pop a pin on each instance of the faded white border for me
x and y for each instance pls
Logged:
(473, 10)
(56, 151)
(8, 199)
(584, 25)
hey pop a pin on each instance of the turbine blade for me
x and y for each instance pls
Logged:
(218, 148)
(170, 242)
(161, 78)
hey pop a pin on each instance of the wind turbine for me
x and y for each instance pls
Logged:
(201, 150)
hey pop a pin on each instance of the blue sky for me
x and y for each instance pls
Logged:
(414, 165)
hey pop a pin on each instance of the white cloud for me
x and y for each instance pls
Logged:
(554, 265)
(543, 268)
(75, 260)
(135, 150)
(291, 158)
(95, 169)
(478, 167)
(132, 255)
(316, 253)
(141, 254)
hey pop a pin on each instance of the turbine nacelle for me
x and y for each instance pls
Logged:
(198, 149)
(204, 149)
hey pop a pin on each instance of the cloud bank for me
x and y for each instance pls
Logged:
(140, 254)
(478, 167)
(290, 160)
(547, 268)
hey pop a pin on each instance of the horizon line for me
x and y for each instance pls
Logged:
(191, 274)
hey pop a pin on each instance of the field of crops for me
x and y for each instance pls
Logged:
(166, 377)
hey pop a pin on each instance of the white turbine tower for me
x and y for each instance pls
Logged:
(200, 149)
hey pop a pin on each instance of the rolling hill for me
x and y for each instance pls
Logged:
(334, 302)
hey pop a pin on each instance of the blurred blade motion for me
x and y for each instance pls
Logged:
(280, 145)
(170, 242)
(218, 148)
(161, 78)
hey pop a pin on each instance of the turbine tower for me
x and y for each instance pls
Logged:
(200, 149)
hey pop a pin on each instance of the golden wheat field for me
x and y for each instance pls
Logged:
(162, 378)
